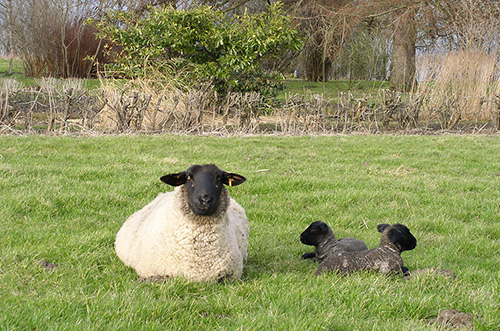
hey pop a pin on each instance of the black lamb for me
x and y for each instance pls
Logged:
(386, 258)
(321, 236)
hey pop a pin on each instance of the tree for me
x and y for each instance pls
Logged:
(325, 26)
(464, 24)
(206, 44)
(49, 37)
(7, 20)
(332, 30)
(403, 48)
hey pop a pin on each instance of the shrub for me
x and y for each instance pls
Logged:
(207, 45)
(50, 43)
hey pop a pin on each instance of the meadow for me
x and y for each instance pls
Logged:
(64, 198)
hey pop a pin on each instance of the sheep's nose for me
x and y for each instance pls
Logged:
(205, 199)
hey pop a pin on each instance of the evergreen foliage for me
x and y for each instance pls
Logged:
(207, 45)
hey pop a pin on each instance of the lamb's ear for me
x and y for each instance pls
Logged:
(382, 227)
(232, 179)
(323, 227)
(394, 235)
(175, 179)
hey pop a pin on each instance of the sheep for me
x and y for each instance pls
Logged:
(321, 236)
(197, 231)
(386, 258)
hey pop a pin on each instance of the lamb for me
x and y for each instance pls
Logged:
(321, 236)
(386, 258)
(196, 231)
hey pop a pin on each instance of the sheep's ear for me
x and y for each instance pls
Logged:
(232, 179)
(175, 179)
(382, 227)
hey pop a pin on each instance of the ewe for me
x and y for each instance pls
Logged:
(385, 258)
(321, 236)
(196, 231)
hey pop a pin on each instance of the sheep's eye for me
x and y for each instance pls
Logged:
(314, 229)
(219, 179)
(189, 177)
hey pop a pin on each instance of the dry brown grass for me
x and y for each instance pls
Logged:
(462, 95)
(148, 105)
(459, 86)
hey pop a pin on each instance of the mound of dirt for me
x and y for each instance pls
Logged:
(453, 319)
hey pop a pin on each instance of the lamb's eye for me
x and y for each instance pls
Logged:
(219, 179)
(189, 177)
(314, 229)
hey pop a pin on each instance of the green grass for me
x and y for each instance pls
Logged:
(17, 74)
(64, 198)
(4, 66)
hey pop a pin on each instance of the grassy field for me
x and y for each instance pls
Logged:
(64, 198)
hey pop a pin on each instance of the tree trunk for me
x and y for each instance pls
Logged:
(314, 62)
(403, 70)
(10, 41)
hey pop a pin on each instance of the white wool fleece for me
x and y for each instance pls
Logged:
(165, 238)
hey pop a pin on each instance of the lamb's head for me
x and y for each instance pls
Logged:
(316, 233)
(204, 186)
(398, 235)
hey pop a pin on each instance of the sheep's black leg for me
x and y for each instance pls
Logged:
(154, 279)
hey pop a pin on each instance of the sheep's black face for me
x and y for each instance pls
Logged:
(314, 234)
(204, 184)
(401, 236)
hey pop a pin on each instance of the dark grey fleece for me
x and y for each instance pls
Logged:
(381, 259)
(332, 246)
(385, 258)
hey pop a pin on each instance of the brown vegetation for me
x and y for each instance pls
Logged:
(456, 66)
(146, 106)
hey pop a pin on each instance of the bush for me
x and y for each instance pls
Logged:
(50, 47)
(207, 45)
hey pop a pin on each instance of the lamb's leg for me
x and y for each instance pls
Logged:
(406, 272)
(306, 256)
